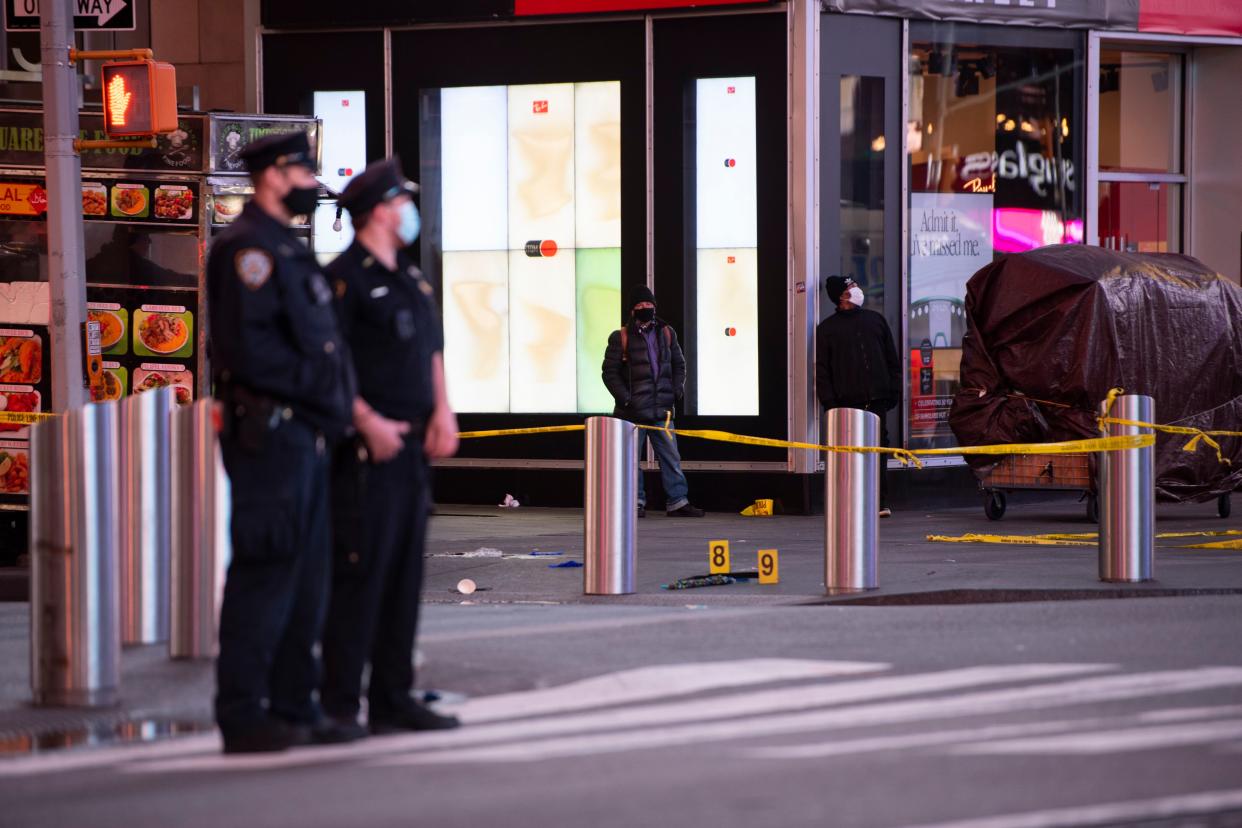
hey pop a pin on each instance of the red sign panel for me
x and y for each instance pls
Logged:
(538, 7)
(1191, 17)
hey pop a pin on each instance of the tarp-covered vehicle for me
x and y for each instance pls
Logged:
(1051, 331)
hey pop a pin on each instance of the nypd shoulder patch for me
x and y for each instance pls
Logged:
(253, 266)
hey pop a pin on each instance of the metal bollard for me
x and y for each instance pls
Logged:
(1128, 498)
(851, 503)
(75, 641)
(146, 515)
(611, 506)
(200, 532)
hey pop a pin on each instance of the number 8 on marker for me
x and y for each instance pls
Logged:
(718, 556)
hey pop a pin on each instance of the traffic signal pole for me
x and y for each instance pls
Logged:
(66, 265)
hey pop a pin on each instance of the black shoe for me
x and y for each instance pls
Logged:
(414, 717)
(333, 731)
(686, 511)
(885, 512)
(267, 736)
(642, 511)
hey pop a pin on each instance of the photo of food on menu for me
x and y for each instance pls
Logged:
(113, 323)
(21, 356)
(94, 199)
(130, 201)
(14, 468)
(155, 375)
(18, 399)
(114, 375)
(163, 330)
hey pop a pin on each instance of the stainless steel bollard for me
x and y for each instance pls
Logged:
(146, 515)
(1128, 498)
(75, 640)
(851, 502)
(611, 506)
(200, 532)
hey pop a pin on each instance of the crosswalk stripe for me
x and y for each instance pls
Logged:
(1113, 813)
(1113, 741)
(1080, 691)
(672, 714)
(647, 683)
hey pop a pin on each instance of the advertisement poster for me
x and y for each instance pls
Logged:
(950, 239)
(147, 337)
(25, 388)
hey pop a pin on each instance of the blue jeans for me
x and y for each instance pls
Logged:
(675, 486)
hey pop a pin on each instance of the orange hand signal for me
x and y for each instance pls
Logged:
(118, 100)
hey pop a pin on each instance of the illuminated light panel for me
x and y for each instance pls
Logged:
(726, 241)
(531, 218)
(118, 100)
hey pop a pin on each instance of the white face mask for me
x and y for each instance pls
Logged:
(855, 295)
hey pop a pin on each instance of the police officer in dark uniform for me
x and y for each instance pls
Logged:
(381, 485)
(286, 385)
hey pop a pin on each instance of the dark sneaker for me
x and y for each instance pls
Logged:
(686, 511)
(414, 717)
(268, 736)
(330, 731)
(885, 512)
(642, 511)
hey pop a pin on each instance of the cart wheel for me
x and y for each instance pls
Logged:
(1224, 505)
(994, 504)
(1093, 509)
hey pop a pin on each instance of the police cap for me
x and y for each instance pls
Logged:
(380, 181)
(280, 150)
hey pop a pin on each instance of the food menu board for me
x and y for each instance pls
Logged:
(147, 338)
(149, 201)
(25, 387)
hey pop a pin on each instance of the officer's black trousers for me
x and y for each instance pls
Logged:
(277, 586)
(381, 525)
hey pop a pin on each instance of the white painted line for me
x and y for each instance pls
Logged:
(1183, 714)
(62, 760)
(673, 715)
(1113, 813)
(647, 683)
(1113, 741)
(1083, 691)
(571, 628)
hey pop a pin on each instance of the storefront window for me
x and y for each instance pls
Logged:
(1142, 173)
(995, 153)
(862, 185)
(1140, 111)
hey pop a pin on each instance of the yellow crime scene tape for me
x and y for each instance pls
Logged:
(24, 417)
(1197, 435)
(1088, 539)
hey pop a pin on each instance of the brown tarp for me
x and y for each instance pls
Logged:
(1062, 325)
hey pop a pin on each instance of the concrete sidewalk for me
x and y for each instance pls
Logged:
(161, 696)
(672, 548)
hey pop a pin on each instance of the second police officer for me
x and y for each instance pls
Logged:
(286, 386)
(381, 484)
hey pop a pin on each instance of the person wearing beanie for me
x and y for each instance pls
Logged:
(856, 363)
(645, 371)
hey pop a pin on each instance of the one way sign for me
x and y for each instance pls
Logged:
(88, 15)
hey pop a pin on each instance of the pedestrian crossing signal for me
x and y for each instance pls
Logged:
(140, 98)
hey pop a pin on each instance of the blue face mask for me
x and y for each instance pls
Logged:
(410, 223)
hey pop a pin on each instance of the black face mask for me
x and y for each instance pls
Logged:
(644, 315)
(301, 201)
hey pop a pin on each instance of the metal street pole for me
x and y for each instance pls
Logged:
(66, 267)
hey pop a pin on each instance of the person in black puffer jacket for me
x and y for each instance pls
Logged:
(645, 371)
(856, 364)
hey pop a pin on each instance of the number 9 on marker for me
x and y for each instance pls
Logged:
(769, 567)
(718, 556)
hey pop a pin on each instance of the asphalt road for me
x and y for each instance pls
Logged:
(1102, 712)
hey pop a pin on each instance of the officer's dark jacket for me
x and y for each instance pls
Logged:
(392, 324)
(271, 323)
(638, 397)
(855, 361)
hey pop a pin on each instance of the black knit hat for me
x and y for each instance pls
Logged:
(640, 294)
(835, 287)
